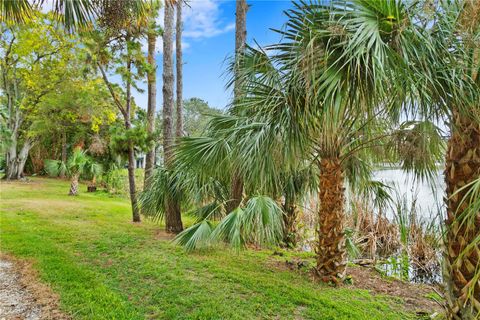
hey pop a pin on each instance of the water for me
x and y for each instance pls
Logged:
(428, 195)
(400, 266)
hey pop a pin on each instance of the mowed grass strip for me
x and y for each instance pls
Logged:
(105, 267)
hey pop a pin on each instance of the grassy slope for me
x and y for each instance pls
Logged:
(105, 267)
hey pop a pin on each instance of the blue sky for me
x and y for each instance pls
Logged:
(209, 38)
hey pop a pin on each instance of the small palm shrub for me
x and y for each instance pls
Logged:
(79, 164)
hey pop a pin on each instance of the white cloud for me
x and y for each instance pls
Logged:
(202, 19)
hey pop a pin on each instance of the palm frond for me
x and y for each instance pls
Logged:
(259, 222)
(195, 237)
(55, 168)
(419, 147)
(164, 186)
(211, 211)
(262, 221)
(230, 229)
(15, 11)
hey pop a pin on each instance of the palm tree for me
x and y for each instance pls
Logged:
(152, 90)
(456, 30)
(173, 219)
(302, 102)
(333, 85)
(79, 164)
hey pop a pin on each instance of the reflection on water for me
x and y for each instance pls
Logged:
(400, 266)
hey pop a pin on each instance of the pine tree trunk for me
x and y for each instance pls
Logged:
(152, 101)
(131, 150)
(179, 60)
(462, 167)
(236, 187)
(240, 39)
(331, 263)
(74, 185)
(131, 182)
(64, 152)
(126, 111)
(173, 219)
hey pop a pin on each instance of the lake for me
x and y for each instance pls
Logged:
(429, 195)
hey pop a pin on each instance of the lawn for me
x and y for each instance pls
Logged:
(104, 267)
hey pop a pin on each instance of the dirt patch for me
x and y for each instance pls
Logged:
(16, 184)
(22, 296)
(414, 296)
(161, 234)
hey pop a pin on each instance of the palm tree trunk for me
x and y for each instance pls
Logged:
(74, 185)
(236, 193)
(289, 220)
(331, 263)
(152, 101)
(173, 219)
(462, 167)
(179, 60)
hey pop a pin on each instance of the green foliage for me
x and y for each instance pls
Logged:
(119, 139)
(114, 181)
(196, 115)
(48, 101)
(396, 267)
(352, 249)
(164, 185)
(80, 106)
(20, 11)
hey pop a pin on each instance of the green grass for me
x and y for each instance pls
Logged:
(105, 267)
